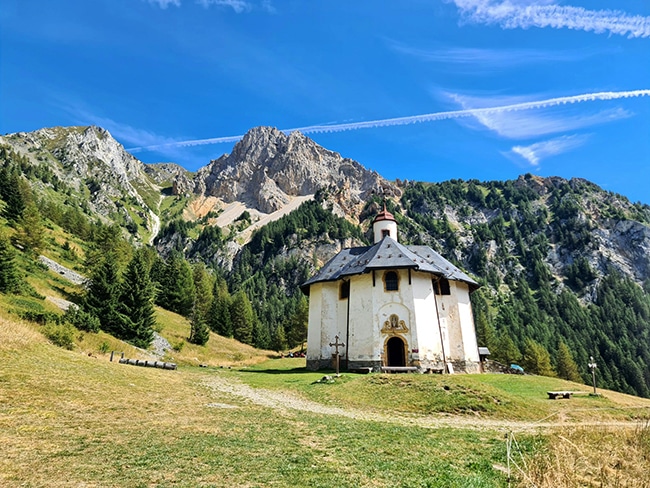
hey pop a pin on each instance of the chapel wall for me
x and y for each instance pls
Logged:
(426, 322)
(449, 305)
(362, 339)
(467, 324)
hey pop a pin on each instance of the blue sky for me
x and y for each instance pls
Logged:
(424, 90)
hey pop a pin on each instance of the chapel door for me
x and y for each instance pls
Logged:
(395, 352)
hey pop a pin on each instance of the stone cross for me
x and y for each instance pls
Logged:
(336, 344)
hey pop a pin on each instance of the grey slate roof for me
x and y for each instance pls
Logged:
(387, 254)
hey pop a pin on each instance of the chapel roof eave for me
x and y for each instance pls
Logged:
(387, 254)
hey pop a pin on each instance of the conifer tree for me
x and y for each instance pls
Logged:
(199, 331)
(242, 317)
(506, 351)
(103, 296)
(30, 230)
(219, 316)
(9, 277)
(177, 292)
(279, 339)
(298, 323)
(536, 359)
(261, 335)
(203, 286)
(136, 301)
(566, 366)
(12, 191)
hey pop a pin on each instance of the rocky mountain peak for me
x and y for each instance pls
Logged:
(267, 167)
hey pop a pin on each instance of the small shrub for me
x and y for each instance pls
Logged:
(42, 318)
(178, 346)
(104, 347)
(28, 290)
(61, 335)
(82, 320)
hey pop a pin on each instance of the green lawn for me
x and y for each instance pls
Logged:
(494, 396)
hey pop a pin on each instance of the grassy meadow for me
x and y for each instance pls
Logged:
(73, 418)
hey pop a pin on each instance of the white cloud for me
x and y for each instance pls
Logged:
(126, 134)
(165, 3)
(432, 117)
(267, 6)
(511, 14)
(491, 59)
(527, 124)
(239, 6)
(542, 150)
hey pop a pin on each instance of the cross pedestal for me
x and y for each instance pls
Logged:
(336, 344)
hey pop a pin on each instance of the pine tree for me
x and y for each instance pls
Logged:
(298, 323)
(103, 296)
(177, 292)
(12, 190)
(261, 335)
(219, 317)
(30, 229)
(9, 277)
(537, 359)
(199, 331)
(203, 286)
(506, 351)
(566, 366)
(243, 319)
(136, 301)
(278, 339)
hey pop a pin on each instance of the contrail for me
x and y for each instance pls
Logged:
(512, 16)
(412, 119)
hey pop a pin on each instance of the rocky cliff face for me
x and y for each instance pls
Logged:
(267, 168)
(91, 162)
(502, 228)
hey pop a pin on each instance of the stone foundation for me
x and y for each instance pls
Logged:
(468, 367)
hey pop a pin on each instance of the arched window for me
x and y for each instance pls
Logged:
(391, 281)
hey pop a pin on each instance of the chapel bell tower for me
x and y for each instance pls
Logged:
(384, 225)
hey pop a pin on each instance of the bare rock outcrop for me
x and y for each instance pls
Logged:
(267, 167)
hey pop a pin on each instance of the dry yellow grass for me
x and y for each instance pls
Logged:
(17, 335)
(600, 457)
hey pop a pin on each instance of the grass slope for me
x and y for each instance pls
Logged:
(67, 419)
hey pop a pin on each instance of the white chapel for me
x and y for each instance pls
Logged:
(392, 306)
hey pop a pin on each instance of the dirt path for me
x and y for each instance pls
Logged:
(285, 401)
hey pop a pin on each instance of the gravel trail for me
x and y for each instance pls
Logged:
(286, 401)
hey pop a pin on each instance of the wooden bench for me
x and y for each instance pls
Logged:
(552, 395)
(398, 369)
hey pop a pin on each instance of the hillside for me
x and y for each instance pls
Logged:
(85, 420)
(565, 265)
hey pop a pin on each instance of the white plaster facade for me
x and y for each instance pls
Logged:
(391, 305)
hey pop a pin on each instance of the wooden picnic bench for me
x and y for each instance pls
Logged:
(552, 395)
